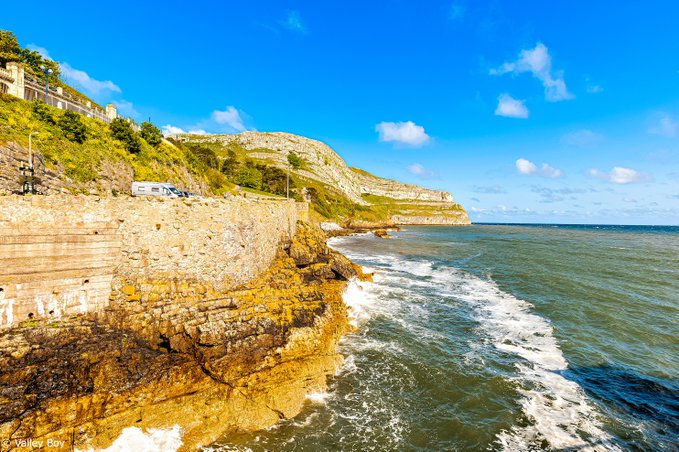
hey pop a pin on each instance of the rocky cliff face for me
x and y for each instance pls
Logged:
(180, 352)
(323, 164)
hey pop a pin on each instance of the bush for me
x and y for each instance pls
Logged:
(295, 160)
(122, 131)
(73, 127)
(230, 165)
(151, 133)
(205, 156)
(249, 177)
(42, 112)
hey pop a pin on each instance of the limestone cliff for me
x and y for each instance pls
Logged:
(405, 203)
(211, 315)
(180, 351)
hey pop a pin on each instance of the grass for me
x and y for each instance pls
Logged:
(84, 163)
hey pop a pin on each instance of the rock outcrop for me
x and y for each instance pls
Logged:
(170, 352)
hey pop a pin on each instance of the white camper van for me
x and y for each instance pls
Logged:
(155, 189)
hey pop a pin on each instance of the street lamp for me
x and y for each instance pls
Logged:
(47, 72)
(30, 150)
(28, 171)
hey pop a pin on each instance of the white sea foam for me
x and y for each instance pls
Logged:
(557, 409)
(151, 440)
(320, 397)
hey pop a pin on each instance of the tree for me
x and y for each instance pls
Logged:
(122, 131)
(151, 133)
(230, 165)
(10, 50)
(205, 156)
(249, 177)
(295, 160)
(73, 127)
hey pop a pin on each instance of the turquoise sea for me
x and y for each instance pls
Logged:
(502, 337)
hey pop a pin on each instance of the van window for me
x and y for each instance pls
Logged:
(141, 188)
(155, 189)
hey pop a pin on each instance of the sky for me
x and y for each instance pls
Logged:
(527, 112)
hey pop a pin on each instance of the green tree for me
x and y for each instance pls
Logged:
(275, 180)
(151, 133)
(249, 177)
(10, 50)
(230, 165)
(205, 155)
(73, 127)
(42, 112)
(122, 131)
(295, 160)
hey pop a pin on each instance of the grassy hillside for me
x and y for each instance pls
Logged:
(84, 162)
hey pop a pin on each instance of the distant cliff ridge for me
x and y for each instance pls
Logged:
(323, 165)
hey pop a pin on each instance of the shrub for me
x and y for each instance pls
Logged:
(249, 177)
(295, 160)
(73, 127)
(122, 131)
(151, 133)
(42, 112)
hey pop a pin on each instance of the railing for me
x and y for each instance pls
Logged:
(6, 74)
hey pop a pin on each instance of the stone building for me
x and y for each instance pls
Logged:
(16, 81)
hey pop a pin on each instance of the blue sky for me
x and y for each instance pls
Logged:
(531, 111)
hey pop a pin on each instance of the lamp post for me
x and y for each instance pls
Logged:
(47, 72)
(28, 171)
(287, 183)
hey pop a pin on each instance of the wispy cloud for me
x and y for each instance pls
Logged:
(456, 12)
(538, 62)
(550, 195)
(82, 80)
(230, 117)
(126, 108)
(620, 175)
(169, 129)
(41, 50)
(220, 121)
(509, 107)
(582, 138)
(294, 22)
(407, 133)
(666, 127)
(422, 172)
(529, 168)
(491, 190)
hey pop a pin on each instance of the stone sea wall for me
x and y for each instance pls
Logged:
(61, 255)
(220, 316)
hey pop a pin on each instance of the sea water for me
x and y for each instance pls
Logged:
(498, 337)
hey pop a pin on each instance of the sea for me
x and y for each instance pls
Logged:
(501, 337)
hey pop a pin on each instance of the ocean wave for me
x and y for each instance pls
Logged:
(150, 440)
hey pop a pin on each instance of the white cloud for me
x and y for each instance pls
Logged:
(511, 108)
(620, 175)
(402, 132)
(582, 138)
(538, 62)
(529, 168)
(79, 79)
(126, 108)
(594, 89)
(419, 170)
(666, 127)
(230, 117)
(82, 80)
(169, 129)
(41, 50)
(294, 22)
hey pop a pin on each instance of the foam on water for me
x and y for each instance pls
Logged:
(556, 410)
(151, 440)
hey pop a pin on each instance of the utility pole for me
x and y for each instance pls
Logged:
(28, 171)
(287, 183)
